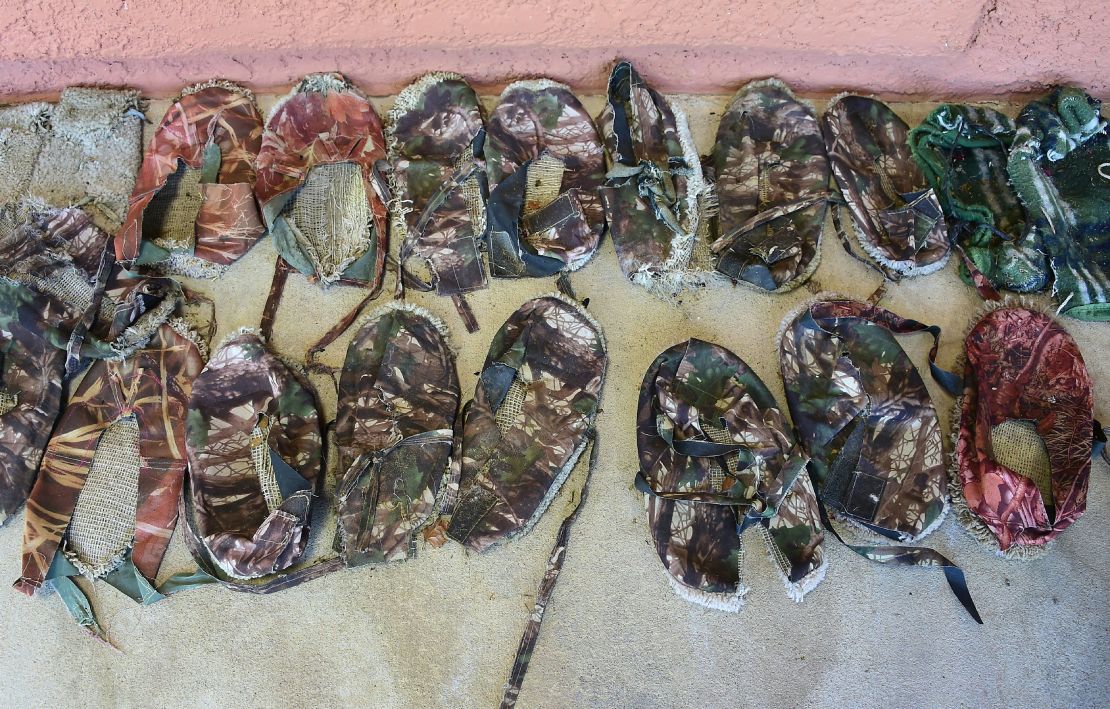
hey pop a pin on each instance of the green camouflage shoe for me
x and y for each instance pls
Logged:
(865, 417)
(531, 418)
(717, 457)
(545, 164)
(962, 151)
(772, 180)
(193, 210)
(398, 397)
(897, 217)
(255, 463)
(1060, 168)
(436, 136)
(655, 196)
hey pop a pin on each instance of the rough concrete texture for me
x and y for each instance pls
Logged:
(441, 630)
(930, 48)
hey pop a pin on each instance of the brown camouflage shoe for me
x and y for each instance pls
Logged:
(865, 417)
(717, 457)
(1024, 432)
(545, 164)
(398, 397)
(655, 196)
(322, 190)
(255, 462)
(772, 178)
(107, 494)
(531, 418)
(896, 215)
(193, 211)
(435, 134)
(52, 272)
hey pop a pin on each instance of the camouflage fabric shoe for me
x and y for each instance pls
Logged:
(1060, 168)
(255, 462)
(962, 151)
(435, 133)
(531, 418)
(897, 217)
(545, 164)
(105, 502)
(772, 180)
(321, 188)
(865, 417)
(655, 196)
(52, 277)
(716, 458)
(398, 397)
(193, 210)
(1023, 433)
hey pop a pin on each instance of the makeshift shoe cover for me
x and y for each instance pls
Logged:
(1060, 168)
(1024, 432)
(962, 151)
(868, 423)
(897, 217)
(545, 164)
(108, 490)
(531, 417)
(51, 280)
(772, 180)
(717, 457)
(398, 397)
(320, 185)
(193, 210)
(255, 459)
(435, 134)
(82, 151)
(655, 194)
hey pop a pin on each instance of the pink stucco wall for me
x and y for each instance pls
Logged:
(928, 48)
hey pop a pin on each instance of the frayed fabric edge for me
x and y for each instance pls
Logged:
(729, 602)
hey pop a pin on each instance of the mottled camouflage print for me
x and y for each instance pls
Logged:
(772, 179)
(153, 385)
(325, 120)
(748, 471)
(1059, 166)
(50, 287)
(534, 119)
(654, 190)
(846, 374)
(204, 121)
(962, 151)
(529, 421)
(897, 217)
(398, 396)
(246, 393)
(1022, 366)
(435, 135)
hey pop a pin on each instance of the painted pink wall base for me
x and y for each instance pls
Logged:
(929, 48)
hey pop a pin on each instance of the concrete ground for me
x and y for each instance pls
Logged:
(442, 630)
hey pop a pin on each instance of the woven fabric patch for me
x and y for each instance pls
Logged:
(545, 182)
(264, 464)
(1017, 445)
(103, 523)
(331, 211)
(170, 218)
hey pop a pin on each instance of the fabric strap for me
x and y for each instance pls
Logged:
(547, 587)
